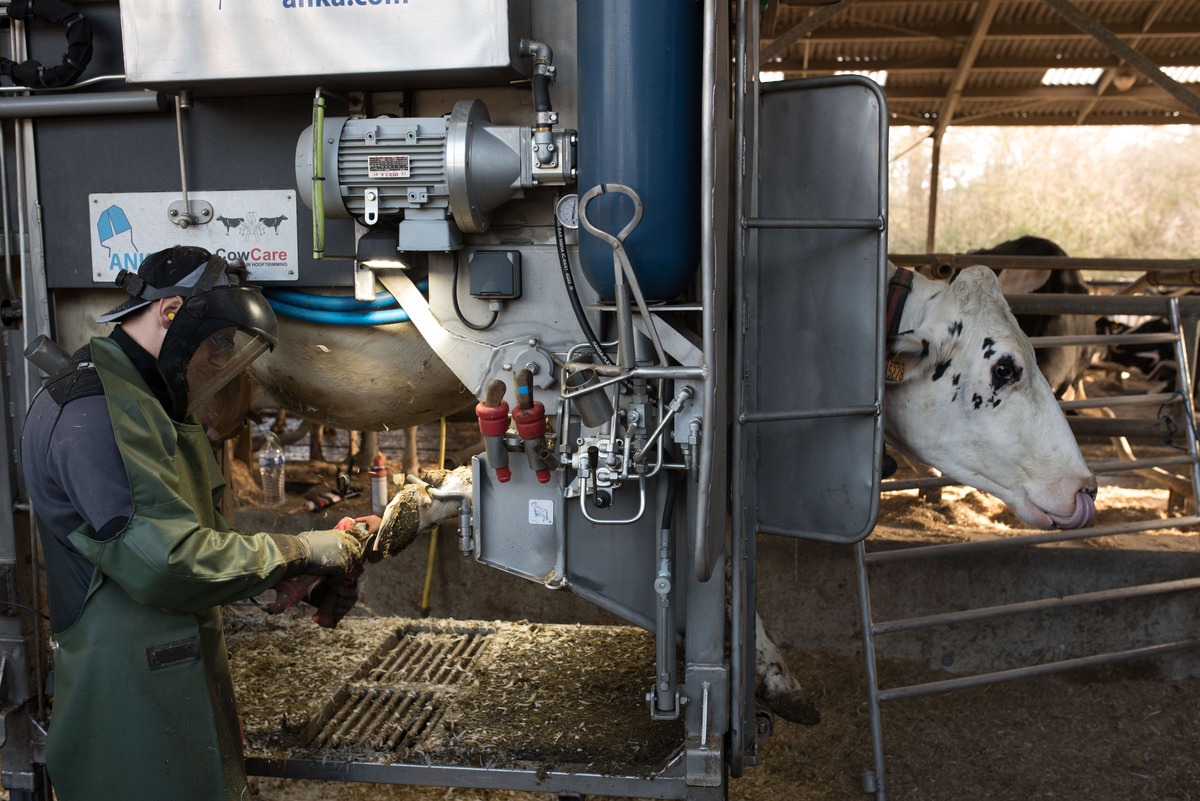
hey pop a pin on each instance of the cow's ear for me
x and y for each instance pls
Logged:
(905, 353)
(909, 343)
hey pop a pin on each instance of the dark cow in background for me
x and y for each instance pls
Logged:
(1063, 366)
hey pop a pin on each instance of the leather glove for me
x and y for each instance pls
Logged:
(322, 553)
(334, 598)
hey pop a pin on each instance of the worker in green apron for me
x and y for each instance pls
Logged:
(124, 486)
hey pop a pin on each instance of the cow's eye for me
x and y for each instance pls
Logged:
(1005, 371)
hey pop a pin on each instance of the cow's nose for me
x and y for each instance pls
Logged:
(1090, 486)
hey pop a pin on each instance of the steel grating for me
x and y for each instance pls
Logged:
(402, 696)
(429, 702)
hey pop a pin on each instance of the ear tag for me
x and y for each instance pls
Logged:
(894, 370)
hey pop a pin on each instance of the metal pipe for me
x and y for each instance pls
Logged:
(1119, 400)
(873, 695)
(83, 105)
(848, 223)
(961, 260)
(811, 414)
(1100, 467)
(1098, 304)
(708, 292)
(1007, 543)
(742, 600)
(183, 100)
(10, 290)
(1042, 604)
(1102, 339)
(998, 676)
(1184, 378)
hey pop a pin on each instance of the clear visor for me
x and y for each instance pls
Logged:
(220, 358)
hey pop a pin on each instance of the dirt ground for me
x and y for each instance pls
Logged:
(1116, 733)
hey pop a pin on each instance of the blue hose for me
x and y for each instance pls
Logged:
(339, 309)
(327, 317)
(305, 300)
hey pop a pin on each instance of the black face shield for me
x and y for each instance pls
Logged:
(221, 327)
(216, 333)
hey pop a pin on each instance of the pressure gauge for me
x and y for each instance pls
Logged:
(567, 211)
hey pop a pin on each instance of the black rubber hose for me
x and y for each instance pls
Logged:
(79, 45)
(564, 262)
(541, 91)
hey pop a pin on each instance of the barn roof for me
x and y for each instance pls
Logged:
(985, 62)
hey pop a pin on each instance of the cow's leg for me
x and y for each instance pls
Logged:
(412, 462)
(316, 443)
(776, 687)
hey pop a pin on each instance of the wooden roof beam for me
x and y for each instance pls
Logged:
(1106, 37)
(954, 31)
(898, 64)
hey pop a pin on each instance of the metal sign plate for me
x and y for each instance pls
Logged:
(258, 226)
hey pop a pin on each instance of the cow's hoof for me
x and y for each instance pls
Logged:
(793, 706)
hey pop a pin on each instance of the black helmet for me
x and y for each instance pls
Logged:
(230, 322)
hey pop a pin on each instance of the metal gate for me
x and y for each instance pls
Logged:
(1182, 338)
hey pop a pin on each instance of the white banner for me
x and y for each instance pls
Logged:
(257, 226)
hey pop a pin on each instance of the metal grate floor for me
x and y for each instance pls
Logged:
(402, 696)
(377, 697)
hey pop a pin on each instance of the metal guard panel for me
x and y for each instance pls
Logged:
(817, 272)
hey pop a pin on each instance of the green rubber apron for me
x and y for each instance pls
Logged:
(143, 701)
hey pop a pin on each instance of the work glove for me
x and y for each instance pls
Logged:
(322, 553)
(334, 598)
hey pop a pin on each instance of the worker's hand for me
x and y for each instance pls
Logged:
(370, 524)
(334, 598)
(328, 553)
(357, 525)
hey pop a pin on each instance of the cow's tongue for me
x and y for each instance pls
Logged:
(1084, 514)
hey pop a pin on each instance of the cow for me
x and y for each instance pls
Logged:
(230, 223)
(963, 395)
(1063, 366)
(969, 400)
(273, 222)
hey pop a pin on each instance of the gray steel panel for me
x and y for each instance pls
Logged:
(350, 44)
(231, 144)
(816, 305)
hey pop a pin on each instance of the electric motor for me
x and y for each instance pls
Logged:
(442, 175)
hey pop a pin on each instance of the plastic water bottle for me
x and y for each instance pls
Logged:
(271, 466)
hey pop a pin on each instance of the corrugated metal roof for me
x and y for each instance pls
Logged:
(923, 44)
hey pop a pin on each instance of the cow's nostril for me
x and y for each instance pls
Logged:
(1091, 491)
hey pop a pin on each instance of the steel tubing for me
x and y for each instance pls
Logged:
(961, 260)
(84, 105)
(982, 679)
(1009, 543)
(1023, 607)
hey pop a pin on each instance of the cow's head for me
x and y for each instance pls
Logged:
(973, 404)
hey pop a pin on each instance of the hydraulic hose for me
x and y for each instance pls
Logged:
(306, 300)
(339, 309)
(564, 262)
(327, 317)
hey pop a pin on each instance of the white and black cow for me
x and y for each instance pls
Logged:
(970, 401)
(1063, 366)
(965, 396)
